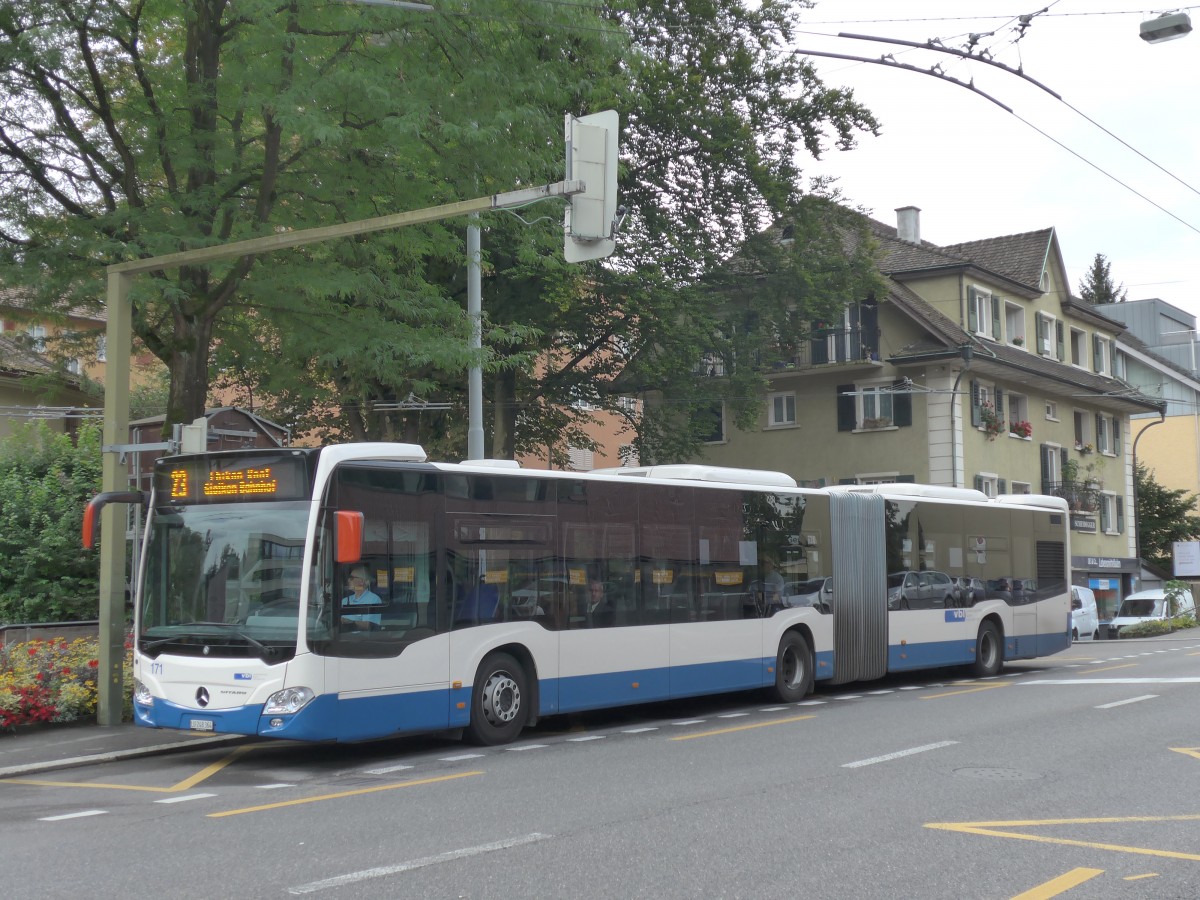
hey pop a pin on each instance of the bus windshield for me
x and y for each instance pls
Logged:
(224, 580)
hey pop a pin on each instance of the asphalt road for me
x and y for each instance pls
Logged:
(1066, 777)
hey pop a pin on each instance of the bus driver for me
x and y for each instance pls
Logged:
(360, 595)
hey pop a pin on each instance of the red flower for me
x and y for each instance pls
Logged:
(40, 676)
(93, 663)
(33, 651)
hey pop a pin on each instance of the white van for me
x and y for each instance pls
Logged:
(1085, 620)
(1148, 606)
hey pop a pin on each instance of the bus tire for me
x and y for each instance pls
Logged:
(499, 701)
(989, 651)
(793, 669)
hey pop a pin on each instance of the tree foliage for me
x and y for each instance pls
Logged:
(135, 129)
(1164, 516)
(1097, 285)
(46, 480)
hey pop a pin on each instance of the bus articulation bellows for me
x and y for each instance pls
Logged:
(359, 591)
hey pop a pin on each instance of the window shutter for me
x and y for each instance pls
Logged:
(1101, 433)
(1001, 486)
(870, 328)
(1046, 456)
(901, 408)
(1116, 435)
(1059, 340)
(999, 405)
(1063, 458)
(979, 483)
(972, 310)
(976, 417)
(996, 332)
(906, 479)
(846, 408)
(1097, 350)
(1121, 514)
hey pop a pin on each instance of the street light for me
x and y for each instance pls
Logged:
(1167, 27)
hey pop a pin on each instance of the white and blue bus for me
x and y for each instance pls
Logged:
(360, 591)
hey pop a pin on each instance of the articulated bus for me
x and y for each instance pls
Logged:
(360, 591)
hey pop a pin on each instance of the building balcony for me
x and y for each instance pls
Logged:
(1081, 496)
(826, 347)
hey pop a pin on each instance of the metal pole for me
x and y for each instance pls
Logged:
(475, 311)
(118, 348)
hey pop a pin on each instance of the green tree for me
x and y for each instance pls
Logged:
(46, 480)
(134, 129)
(1164, 516)
(1097, 285)
(715, 116)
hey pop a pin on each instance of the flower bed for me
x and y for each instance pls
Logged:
(52, 681)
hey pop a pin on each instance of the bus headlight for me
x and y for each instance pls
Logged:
(141, 694)
(288, 701)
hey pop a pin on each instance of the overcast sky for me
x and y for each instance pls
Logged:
(978, 171)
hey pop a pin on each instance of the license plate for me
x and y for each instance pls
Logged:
(201, 724)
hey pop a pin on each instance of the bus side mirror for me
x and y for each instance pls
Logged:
(91, 513)
(349, 535)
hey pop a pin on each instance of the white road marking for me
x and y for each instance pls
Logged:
(527, 747)
(383, 871)
(77, 815)
(1190, 680)
(887, 757)
(587, 737)
(689, 722)
(773, 709)
(460, 757)
(388, 770)
(1130, 700)
(274, 787)
(732, 715)
(185, 798)
(638, 730)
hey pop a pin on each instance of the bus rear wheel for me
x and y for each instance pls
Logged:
(499, 701)
(793, 669)
(989, 651)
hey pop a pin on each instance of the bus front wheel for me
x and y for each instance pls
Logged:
(793, 669)
(499, 701)
(989, 651)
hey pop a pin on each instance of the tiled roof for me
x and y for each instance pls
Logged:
(17, 357)
(1021, 257)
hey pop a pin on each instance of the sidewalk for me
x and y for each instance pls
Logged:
(45, 748)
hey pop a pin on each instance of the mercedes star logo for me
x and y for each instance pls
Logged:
(202, 696)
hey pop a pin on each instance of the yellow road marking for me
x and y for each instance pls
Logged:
(1059, 885)
(187, 783)
(1140, 877)
(1187, 751)
(970, 690)
(988, 829)
(1106, 669)
(340, 795)
(730, 730)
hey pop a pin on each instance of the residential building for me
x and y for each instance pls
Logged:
(36, 382)
(1160, 347)
(977, 369)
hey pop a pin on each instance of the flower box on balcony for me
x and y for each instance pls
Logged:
(881, 422)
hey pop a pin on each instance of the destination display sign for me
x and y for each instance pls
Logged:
(220, 479)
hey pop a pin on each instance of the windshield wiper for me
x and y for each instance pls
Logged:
(258, 645)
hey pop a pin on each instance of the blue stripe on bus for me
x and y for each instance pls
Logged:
(363, 718)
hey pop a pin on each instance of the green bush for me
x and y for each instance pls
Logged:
(1150, 629)
(46, 480)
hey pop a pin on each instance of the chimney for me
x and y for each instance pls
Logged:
(908, 224)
